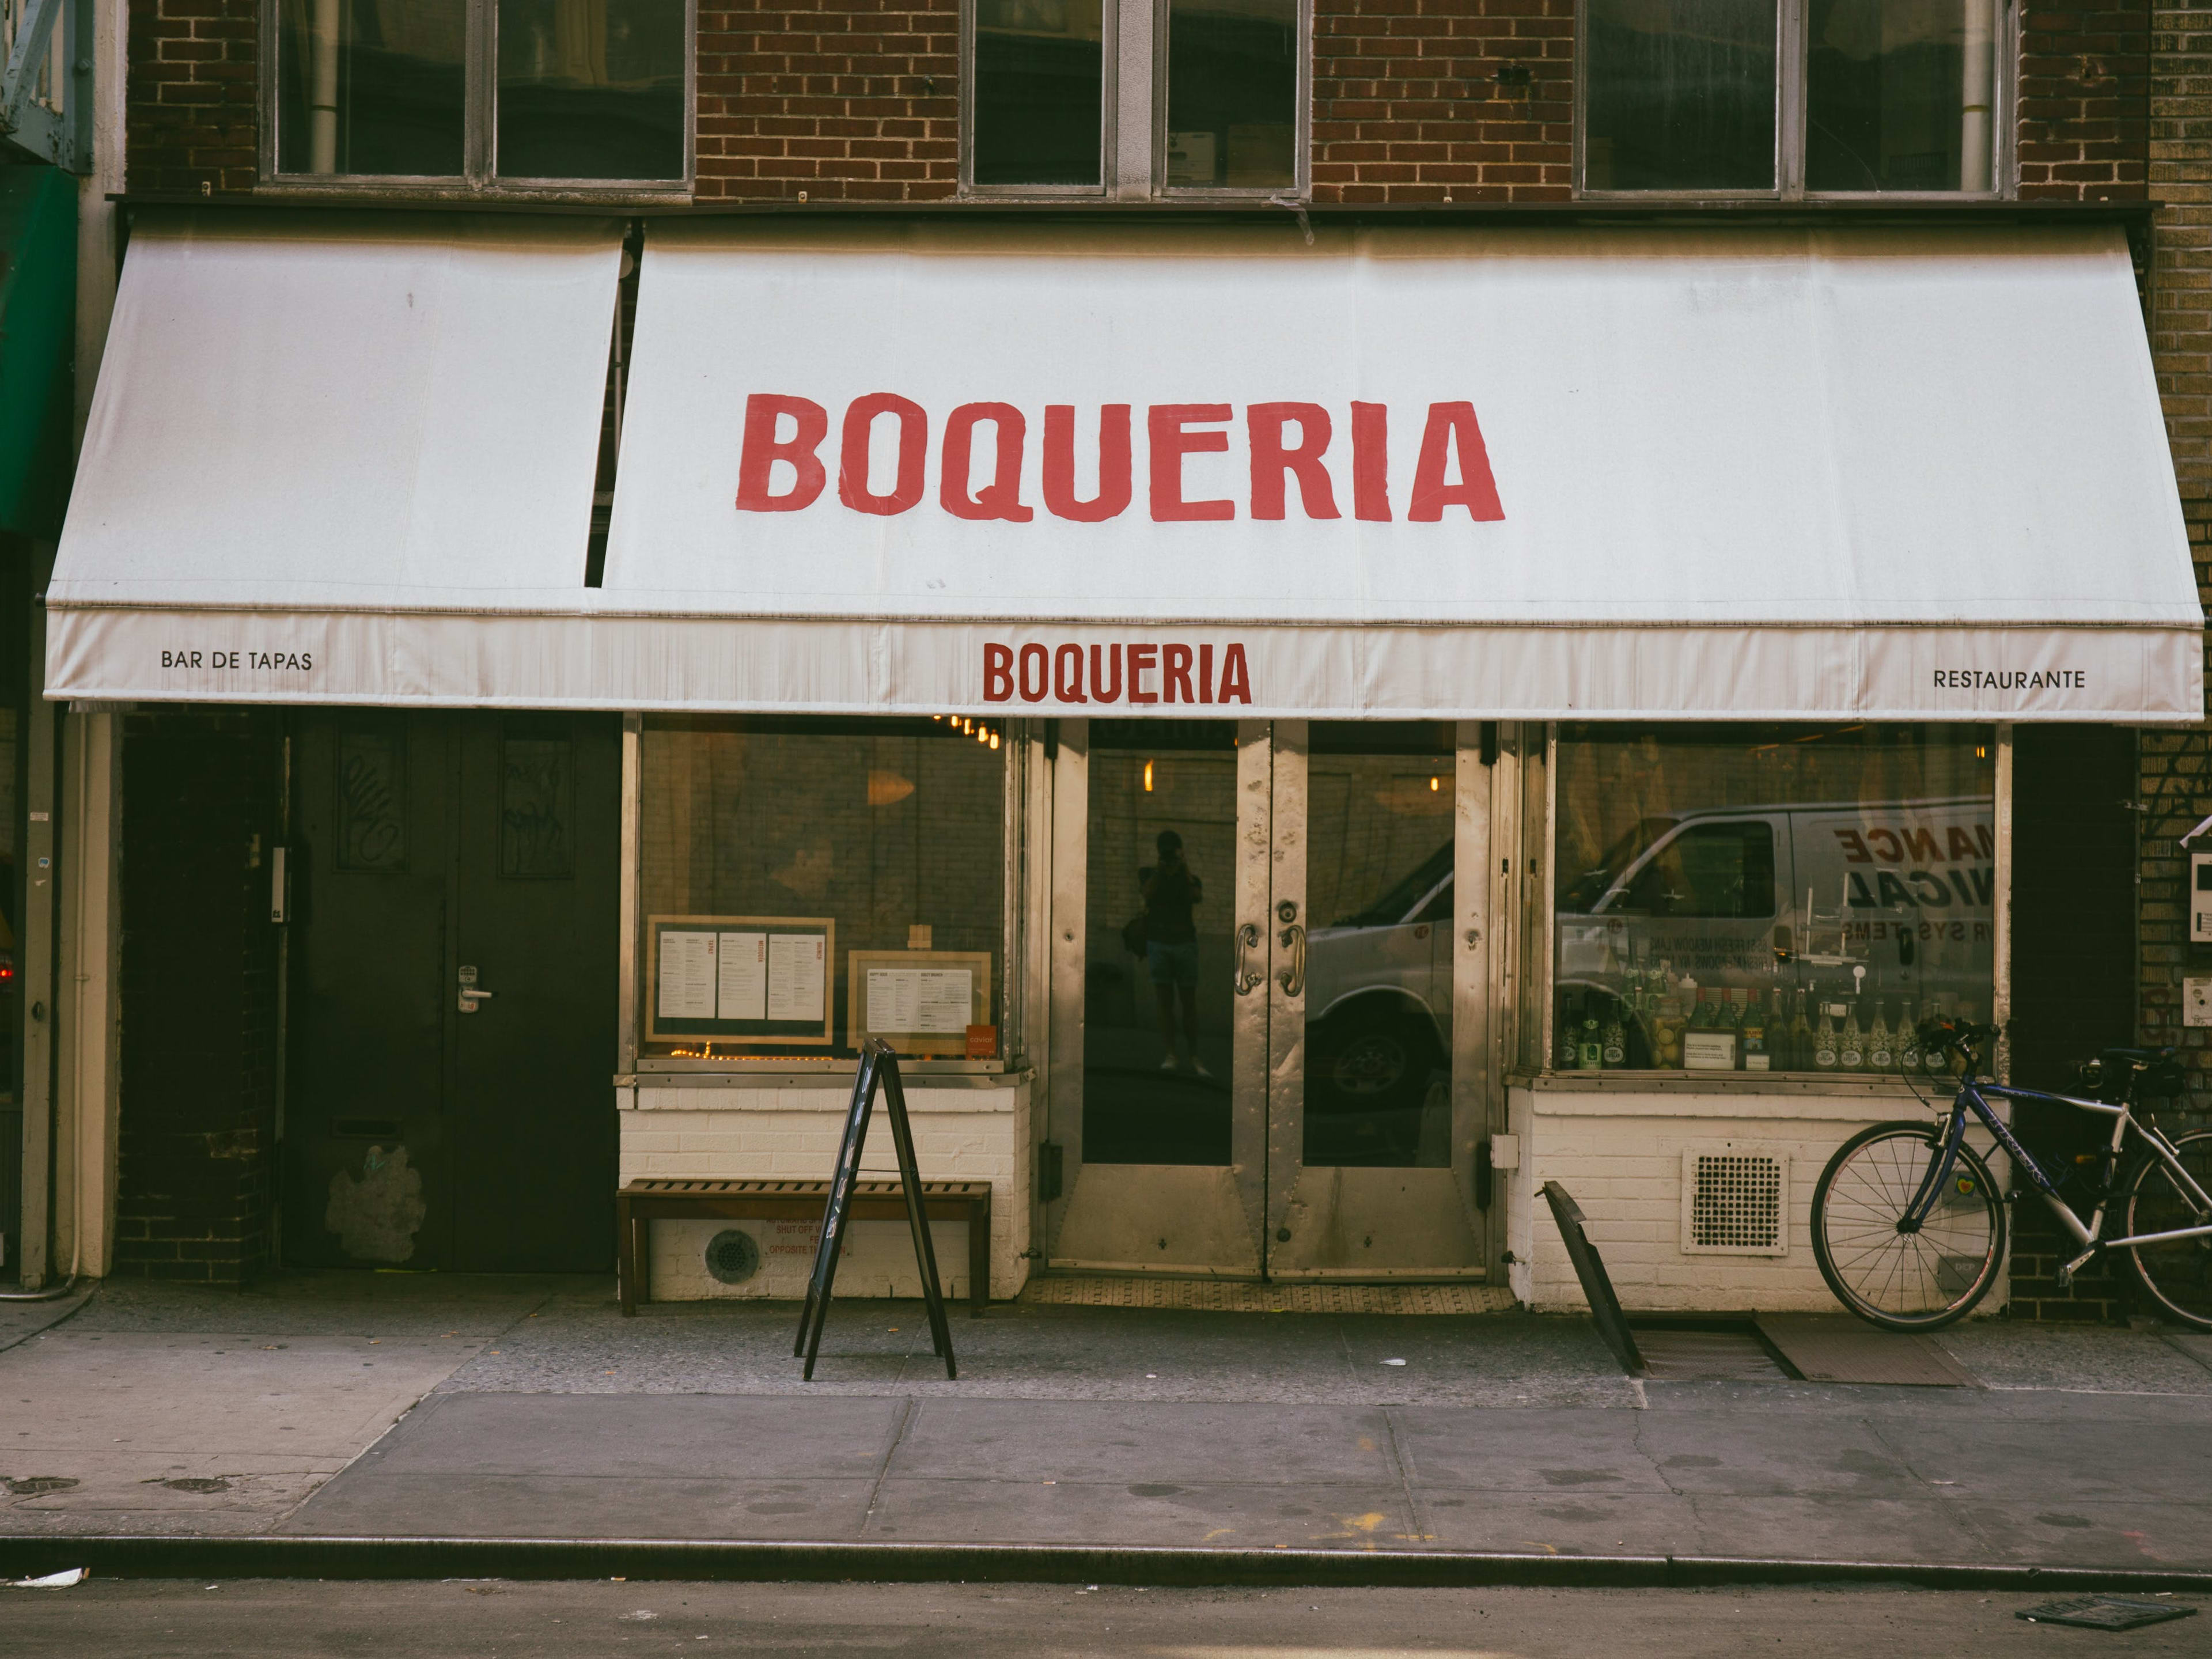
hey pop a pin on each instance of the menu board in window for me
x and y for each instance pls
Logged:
(921, 1002)
(740, 979)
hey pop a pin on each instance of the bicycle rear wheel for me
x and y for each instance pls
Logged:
(1905, 1281)
(2178, 1275)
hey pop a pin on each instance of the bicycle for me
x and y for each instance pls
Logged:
(1909, 1227)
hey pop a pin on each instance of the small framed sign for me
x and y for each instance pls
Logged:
(1709, 1051)
(740, 979)
(920, 1002)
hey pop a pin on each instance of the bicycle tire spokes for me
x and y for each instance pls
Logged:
(1881, 1262)
(2177, 1272)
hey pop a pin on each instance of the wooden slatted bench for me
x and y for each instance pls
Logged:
(671, 1198)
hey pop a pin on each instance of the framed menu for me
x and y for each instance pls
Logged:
(740, 979)
(920, 1002)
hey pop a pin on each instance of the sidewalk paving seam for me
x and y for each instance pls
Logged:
(1416, 1517)
(909, 1409)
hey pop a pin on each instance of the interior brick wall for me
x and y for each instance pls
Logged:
(196, 1196)
(2085, 95)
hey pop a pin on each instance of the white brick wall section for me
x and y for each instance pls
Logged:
(740, 1133)
(1625, 1173)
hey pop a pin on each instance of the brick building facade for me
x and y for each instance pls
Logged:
(1416, 102)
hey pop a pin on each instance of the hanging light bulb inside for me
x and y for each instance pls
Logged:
(994, 739)
(1148, 777)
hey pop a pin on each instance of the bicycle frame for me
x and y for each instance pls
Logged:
(1973, 1101)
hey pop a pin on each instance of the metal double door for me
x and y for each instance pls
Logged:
(1270, 1052)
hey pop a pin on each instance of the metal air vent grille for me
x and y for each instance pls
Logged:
(1735, 1201)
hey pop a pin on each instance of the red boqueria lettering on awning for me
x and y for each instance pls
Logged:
(1138, 672)
(782, 468)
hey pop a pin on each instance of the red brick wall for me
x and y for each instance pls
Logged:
(846, 100)
(2085, 101)
(1418, 100)
(191, 121)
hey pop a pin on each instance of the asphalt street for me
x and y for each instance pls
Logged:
(266, 1619)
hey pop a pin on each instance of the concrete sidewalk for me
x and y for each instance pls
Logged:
(546, 1415)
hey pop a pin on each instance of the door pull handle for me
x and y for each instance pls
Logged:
(1294, 976)
(1247, 981)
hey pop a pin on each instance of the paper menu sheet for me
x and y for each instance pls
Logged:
(797, 974)
(911, 1000)
(687, 975)
(741, 978)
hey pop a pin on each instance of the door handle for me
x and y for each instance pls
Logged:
(471, 996)
(1294, 976)
(1247, 937)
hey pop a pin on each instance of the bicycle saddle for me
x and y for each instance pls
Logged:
(2136, 1056)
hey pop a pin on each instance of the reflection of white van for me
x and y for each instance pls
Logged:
(1378, 990)
(1762, 897)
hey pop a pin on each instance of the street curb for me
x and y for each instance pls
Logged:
(153, 1556)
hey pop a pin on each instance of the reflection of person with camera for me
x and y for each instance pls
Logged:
(1171, 890)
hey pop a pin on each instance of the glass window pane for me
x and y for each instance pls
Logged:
(883, 840)
(590, 89)
(371, 86)
(1232, 94)
(1379, 869)
(1679, 95)
(1161, 957)
(1039, 92)
(1899, 94)
(1770, 898)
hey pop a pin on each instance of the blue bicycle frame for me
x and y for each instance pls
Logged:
(1973, 1100)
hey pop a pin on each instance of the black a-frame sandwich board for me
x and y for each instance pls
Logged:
(879, 1070)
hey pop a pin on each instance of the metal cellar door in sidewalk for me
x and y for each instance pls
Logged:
(1269, 1058)
(453, 992)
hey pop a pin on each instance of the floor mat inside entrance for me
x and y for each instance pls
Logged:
(1232, 1296)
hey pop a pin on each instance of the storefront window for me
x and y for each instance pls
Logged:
(1899, 94)
(1232, 94)
(806, 884)
(1040, 79)
(1679, 95)
(1770, 898)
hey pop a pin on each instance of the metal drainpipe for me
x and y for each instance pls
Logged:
(323, 88)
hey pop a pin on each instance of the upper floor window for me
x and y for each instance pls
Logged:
(1134, 97)
(485, 93)
(1789, 97)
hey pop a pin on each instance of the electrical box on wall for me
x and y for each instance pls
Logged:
(2200, 898)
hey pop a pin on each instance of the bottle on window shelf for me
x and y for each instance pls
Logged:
(1752, 1053)
(1879, 1053)
(1801, 1037)
(1851, 1052)
(1589, 1048)
(1825, 1057)
(1614, 1046)
(1908, 1039)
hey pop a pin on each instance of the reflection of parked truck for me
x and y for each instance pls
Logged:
(1887, 900)
(1378, 990)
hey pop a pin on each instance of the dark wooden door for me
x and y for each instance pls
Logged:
(533, 1117)
(417, 1135)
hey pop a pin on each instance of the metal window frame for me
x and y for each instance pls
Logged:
(1134, 116)
(1792, 58)
(479, 177)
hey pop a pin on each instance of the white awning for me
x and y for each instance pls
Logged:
(1743, 472)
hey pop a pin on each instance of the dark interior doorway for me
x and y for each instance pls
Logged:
(453, 991)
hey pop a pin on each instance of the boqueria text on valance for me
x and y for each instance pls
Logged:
(781, 468)
(1168, 672)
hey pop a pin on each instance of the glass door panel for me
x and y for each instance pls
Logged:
(1380, 831)
(1161, 928)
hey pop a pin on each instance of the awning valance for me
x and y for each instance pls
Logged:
(1765, 472)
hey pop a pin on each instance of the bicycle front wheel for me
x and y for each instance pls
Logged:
(2177, 1274)
(1906, 1280)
